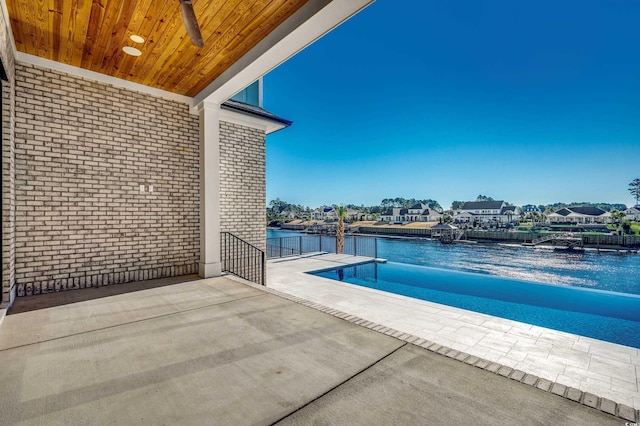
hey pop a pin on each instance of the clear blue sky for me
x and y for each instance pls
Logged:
(530, 101)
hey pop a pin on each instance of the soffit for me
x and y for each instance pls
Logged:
(90, 34)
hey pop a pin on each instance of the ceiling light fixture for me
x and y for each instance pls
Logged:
(136, 38)
(131, 51)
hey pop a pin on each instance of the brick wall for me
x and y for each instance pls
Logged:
(242, 183)
(82, 151)
(8, 168)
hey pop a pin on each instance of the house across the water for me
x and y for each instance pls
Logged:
(415, 213)
(587, 214)
(632, 213)
(486, 212)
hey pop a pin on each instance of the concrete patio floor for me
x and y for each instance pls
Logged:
(219, 351)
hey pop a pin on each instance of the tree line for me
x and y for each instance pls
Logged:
(604, 206)
(277, 207)
(405, 203)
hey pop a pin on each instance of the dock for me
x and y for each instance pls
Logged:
(567, 241)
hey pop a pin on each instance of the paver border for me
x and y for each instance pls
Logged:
(587, 399)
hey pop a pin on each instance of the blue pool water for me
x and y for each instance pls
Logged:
(601, 314)
(536, 286)
(589, 269)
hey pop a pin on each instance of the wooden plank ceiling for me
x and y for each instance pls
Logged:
(91, 34)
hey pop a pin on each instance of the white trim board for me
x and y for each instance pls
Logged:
(7, 21)
(308, 24)
(100, 78)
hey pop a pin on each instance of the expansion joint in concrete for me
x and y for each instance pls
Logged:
(348, 379)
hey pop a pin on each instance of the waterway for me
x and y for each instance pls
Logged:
(589, 269)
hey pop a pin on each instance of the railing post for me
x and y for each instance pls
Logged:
(280, 247)
(300, 244)
(320, 243)
(264, 270)
(375, 248)
(355, 245)
(222, 250)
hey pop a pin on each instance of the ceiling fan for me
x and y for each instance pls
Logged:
(191, 22)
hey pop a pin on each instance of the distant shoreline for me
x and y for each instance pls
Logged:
(492, 240)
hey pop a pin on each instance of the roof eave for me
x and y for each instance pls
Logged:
(305, 26)
(272, 123)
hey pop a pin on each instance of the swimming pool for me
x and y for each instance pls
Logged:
(605, 315)
(588, 269)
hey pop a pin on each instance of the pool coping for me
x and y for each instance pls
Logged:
(290, 273)
(558, 289)
(588, 399)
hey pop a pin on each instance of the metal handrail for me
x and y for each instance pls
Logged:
(299, 245)
(242, 259)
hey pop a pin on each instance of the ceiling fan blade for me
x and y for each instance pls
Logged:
(191, 22)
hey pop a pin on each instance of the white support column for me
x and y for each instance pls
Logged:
(210, 265)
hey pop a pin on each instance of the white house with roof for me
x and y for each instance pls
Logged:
(393, 215)
(485, 212)
(529, 208)
(580, 214)
(632, 213)
(329, 213)
(415, 213)
(324, 213)
(353, 214)
(422, 213)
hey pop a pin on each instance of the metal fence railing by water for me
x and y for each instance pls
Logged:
(242, 259)
(296, 246)
(361, 246)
